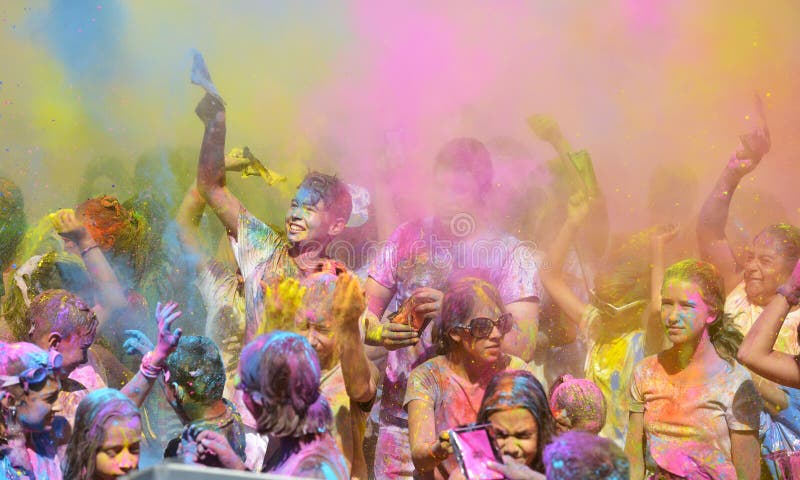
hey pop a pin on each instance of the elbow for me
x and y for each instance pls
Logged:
(743, 355)
(362, 393)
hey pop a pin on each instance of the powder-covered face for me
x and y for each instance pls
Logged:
(307, 219)
(517, 434)
(482, 350)
(685, 314)
(75, 349)
(455, 192)
(119, 453)
(35, 409)
(317, 327)
(765, 268)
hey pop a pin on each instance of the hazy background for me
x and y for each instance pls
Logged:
(354, 87)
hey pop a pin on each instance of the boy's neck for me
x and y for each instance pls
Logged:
(209, 412)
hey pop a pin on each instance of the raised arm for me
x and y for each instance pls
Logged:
(711, 238)
(757, 350)
(654, 330)
(552, 275)
(211, 167)
(154, 362)
(112, 295)
(349, 304)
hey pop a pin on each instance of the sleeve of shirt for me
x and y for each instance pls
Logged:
(384, 267)
(746, 406)
(521, 275)
(636, 399)
(422, 385)
(256, 242)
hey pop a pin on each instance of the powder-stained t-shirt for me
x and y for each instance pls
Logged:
(263, 255)
(454, 399)
(320, 459)
(610, 364)
(688, 424)
(745, 314)
(424, 253)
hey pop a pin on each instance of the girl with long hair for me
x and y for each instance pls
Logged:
(694, 410)
(106, 437)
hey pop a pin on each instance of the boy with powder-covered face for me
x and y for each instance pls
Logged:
(61, 321)
(318, 213)
(194, 381)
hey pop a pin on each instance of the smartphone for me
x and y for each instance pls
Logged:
(474, 447)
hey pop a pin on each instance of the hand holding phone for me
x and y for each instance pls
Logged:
(474, 449)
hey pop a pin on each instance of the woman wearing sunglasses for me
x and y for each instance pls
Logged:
(446, 391)
(31, 433)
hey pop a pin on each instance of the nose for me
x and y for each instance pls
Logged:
(495, 335)
(511, 449)
(128, 461)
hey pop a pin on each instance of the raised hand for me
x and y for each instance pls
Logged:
(281, 303)
(349, 304)
(391, 336)
(208, 108)
(754, 145)
(167, 338)
(137, 343)
(664, 234)
(546, 129)
(66, 224)
(238, 159)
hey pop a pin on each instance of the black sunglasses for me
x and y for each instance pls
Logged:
(481, 327)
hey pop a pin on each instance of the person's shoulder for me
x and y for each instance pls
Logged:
(648, 365)
(437, 364)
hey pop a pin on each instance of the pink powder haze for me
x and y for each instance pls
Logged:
(362, 87)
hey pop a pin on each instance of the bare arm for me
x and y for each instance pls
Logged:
(427, 450)
(552, 276)
(521, 340)
(211, 167)
(711, 238)
(757, 353)
(746, 453)
(188, 219)
(140, 385)
(634, 444)
(654, 331)
(112, 295)
(360, 375)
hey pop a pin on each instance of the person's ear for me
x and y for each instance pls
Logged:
(7, 401)
(454, 335)
(179, 392)
(337, 226)
(54, 340)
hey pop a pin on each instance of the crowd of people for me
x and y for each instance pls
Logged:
(583, 355)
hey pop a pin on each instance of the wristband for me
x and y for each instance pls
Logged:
(148, 369)
(85, 250)
(789, 294)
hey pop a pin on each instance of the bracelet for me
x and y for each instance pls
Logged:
(148, 369)
(85, 250)
(789, 294)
